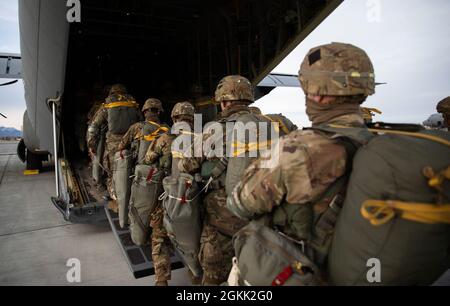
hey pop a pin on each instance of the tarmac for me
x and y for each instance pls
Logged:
(36, 243)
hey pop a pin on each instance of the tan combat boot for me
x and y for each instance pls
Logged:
(112, 205)
(161, 284)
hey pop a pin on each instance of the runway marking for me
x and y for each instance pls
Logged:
(36, 230)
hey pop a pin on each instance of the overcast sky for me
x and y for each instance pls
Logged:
(407, 40)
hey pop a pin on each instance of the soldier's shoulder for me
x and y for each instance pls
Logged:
(119, 98)
(302, 139)
(166, 137)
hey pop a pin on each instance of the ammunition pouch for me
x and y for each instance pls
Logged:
(215, 169)
(264, 257)
(183, 218)
(145, 190)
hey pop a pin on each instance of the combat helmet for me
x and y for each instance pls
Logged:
(337, 69)
(117, 89)
(443, 107)
(183, 109)
(235, 88)
(152, 103)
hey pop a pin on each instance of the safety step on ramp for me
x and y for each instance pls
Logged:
(139, 258)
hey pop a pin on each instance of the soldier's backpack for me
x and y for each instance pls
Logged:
(182, 218)
(242, 146)
(150, 131)
(145, 190)
(394, 228)
(123, 112)
(207, 108)
(266, 258)
(123, 171)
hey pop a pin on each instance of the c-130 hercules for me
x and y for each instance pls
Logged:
(159, 48)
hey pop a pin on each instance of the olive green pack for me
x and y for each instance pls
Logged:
(267, 258)
(183, 218)
(395, 176)
(240, 157)
(121, 118)
(145, 190)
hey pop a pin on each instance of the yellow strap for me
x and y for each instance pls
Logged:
(280, 122)
(381, 212)
(436, 180)
(412, 134)
(121, 104)
(156, 134)
(240, 148)
(374, 110)
(277, 126)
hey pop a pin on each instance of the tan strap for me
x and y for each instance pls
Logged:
(403, 133)
(279, 121)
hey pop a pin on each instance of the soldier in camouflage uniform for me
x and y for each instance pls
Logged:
(235, 94)
(152, 111)
(336, 78)
(117, 100)
(443, 107)
(159, 154)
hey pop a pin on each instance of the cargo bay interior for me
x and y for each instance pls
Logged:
(164, 48)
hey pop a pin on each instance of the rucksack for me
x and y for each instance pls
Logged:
(145, 190)
(182, 218)
(149, 132)
(123, 112)
(397, 211)
(239, 158)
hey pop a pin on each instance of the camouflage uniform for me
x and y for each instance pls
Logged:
(443, 107)
(310, 161)
(117, 94)
(160, 154)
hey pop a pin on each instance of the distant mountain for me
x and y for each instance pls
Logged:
(9, 132)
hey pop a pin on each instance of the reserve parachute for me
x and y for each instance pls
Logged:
(145, 190)
(397, 210)
(182, 218)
